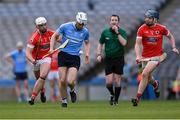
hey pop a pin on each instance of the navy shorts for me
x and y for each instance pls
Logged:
(114, 65)
(67, 60)
(21, 76)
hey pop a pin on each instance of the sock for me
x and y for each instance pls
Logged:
(155, 85)
(138, 96)
(19, 99)
(43, 90)
(72, 90)
(117, 93)
(34, 95)
(64, 100)
(26, 98)
(110, 89)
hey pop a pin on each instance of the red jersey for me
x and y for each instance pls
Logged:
(40, 43)
(152, 39)
(54, 61)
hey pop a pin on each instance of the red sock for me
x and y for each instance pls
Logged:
(155, 85)
(138, 96)
(33, 96)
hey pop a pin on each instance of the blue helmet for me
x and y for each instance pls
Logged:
(152, 13)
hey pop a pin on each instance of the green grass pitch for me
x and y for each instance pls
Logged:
(91, 110)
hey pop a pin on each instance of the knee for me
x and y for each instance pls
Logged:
(117, 82)
(117, 79)
(109, 81)
(72, 82)
(108, 84)
(145, 75)
(26, 86)
(62, 82)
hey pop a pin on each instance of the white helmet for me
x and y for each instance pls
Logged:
(81, 17)
(19, 44)
(40, 20)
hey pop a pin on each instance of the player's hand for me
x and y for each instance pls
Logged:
(33, 61)
(50, 51)
(138, 60)
(99, 58)
(116, 29)
(87, 59)
(175, 50)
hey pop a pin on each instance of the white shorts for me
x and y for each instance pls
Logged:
(36, 67)
(53, 75)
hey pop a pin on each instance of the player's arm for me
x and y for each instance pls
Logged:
(54, 37)
(138, 48)
(100, 47)
(8, 58)
(29, 50)
(172, 42)
(121, 39)
(99, 52)
(87, 50)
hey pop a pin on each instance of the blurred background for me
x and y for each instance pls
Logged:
(17, 24)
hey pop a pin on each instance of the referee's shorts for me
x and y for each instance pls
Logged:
(114, 65)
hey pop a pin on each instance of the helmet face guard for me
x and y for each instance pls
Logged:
(81, 18)
(152, 14)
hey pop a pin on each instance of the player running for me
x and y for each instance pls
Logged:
(53, 76)
(69, 57)
(150, 37)
(37, 47)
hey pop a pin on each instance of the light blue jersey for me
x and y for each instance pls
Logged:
(19, 59)
(76, 37)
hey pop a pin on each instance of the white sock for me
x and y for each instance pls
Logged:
(73, 90)
(64, 100)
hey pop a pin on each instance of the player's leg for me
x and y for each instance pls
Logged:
(44, 70)
(37, 75)
(17, 87)
(56, 91)
(17, 90)
(63, 85)
(117, 79)
(62, 68)
(26, 91)
(39, 85)
(155, 85)
(109, 86)
(73, 65)
(26, 86)
(124, 86)
(151, 65)
(51, 84)
(118, 71)
(71, 79)
(109, 78)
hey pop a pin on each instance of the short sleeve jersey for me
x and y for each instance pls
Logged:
(40, 43)
(19, 59)
(76, 37)
(152, 39)
(113, 48)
